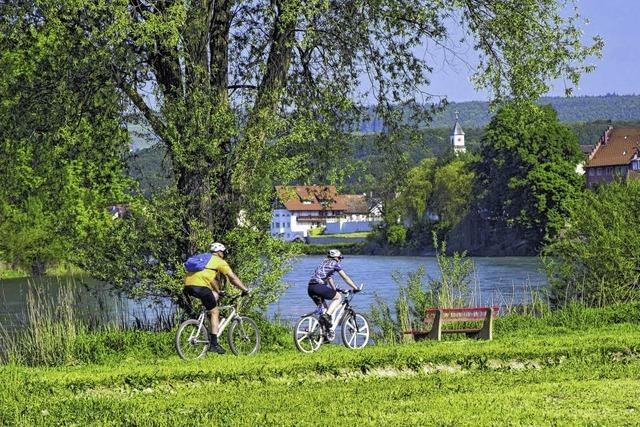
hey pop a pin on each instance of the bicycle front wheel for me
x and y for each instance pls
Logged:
(307, 335)
(355, 331)
(191, 340)
(244, 337)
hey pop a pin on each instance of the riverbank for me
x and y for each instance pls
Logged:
(579, 366)
(7, 272)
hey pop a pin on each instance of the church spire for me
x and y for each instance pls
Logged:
(456, 137)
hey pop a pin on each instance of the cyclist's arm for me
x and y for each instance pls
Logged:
(331, 282)
(235, 280)
(347, 279)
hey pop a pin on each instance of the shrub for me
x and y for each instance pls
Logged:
(596, 260)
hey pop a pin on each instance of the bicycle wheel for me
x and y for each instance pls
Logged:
(355, 331)
(191, 340)
(307, 335)
(244, 336)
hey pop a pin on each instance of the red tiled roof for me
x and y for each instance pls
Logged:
(620, 147)
(355, 203)
(310, 197)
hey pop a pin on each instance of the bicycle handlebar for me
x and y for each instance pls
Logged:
(347, 291)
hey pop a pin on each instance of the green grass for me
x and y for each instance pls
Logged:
(576, 366)
(347, 235)
(6, 272)
(589, 377)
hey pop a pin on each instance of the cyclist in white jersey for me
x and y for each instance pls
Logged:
(322, 287)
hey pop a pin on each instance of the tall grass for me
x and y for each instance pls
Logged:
(58, 329)
(49, 331)
(452, 289)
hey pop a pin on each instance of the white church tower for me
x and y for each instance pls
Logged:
(456, 137)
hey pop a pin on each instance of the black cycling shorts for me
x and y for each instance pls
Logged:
(318, 293)
(203, 293)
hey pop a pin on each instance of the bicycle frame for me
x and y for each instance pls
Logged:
(233, 313)
(343, 310)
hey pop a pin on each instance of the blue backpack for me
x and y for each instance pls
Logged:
(197, 262)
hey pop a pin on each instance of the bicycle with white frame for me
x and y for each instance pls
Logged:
(192, 337)
(309, 333)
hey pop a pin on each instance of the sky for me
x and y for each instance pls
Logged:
(618, 71)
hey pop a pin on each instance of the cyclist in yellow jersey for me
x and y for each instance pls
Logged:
(205, 285)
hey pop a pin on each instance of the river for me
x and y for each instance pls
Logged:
(502, 281)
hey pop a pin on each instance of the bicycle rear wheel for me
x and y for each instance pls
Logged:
(355, 331)
(307, 335)
(244, 336)
(191, 340)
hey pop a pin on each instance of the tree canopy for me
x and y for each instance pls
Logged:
(527, 175)
(245, 94)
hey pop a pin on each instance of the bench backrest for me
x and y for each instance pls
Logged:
(460, 314)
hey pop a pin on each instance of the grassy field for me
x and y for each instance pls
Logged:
(547, 375)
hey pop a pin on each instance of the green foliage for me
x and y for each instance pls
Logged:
(414, 296)
(316, 231)
(239, 104)
(61, 143)
(396, 234)
(526, 177)
(596, 259)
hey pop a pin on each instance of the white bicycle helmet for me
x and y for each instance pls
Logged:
(334, 253)
(217, 247)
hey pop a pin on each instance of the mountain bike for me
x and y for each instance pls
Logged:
(309, 333)
(192, 337)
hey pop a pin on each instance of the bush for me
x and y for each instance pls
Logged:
(596, 260)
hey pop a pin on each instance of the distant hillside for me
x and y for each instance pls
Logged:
(476, 114)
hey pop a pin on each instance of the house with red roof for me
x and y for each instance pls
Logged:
(300, 208)
(615, 156)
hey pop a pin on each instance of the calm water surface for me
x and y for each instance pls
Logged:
(503, 281)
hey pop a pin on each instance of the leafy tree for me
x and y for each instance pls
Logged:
(527, 171)
(61, 142)
(452, 192)
(248, 93)
(417, 189)
(596, 258)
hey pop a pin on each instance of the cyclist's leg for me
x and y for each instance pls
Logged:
(210, 302)
(317, 299)
(186, 303)
(325, 293)
(335, 303)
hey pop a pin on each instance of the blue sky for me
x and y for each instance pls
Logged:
(618, 71)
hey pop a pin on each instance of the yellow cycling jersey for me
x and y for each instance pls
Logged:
(207, 277)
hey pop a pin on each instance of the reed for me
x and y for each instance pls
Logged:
(49, 331)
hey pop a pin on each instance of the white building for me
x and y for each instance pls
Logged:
(359, 215)
(303, 207)
(456, 137)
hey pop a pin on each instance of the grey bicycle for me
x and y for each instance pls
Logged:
(243, 336)
(309, 333)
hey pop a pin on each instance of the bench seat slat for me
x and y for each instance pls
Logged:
(461, 309)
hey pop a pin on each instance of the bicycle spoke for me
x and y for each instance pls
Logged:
(244, 336)
(191, 340)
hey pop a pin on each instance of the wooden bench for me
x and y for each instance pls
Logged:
(439, 316)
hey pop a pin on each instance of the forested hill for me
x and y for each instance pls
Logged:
(576, 109)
